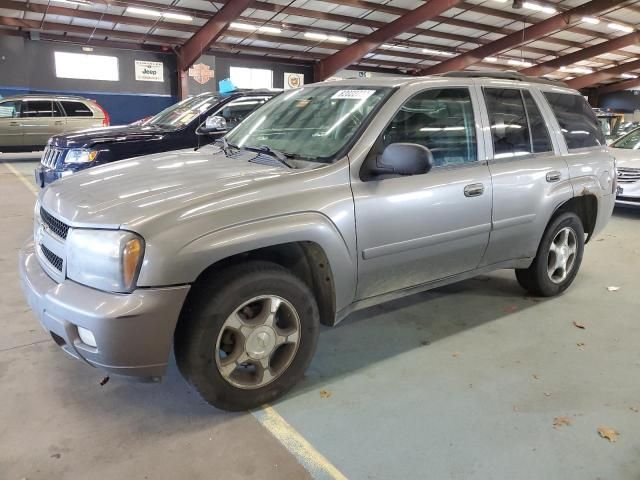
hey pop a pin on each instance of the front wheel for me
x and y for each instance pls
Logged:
(558, 259)
(247, 335)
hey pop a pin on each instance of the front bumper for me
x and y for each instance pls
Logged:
(628, 195)
(133, 332)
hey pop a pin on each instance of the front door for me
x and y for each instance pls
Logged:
(412, 230)
(10, 124)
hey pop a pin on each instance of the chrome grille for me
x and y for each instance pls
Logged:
(628, 175)
(61, 229)
(52, 258)
(51, 156)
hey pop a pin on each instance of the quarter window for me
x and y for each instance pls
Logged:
(9, 109)
(77, 109)
(441, 120)
(37, 108)
(577, 121)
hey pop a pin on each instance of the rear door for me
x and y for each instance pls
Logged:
(10, 124)
(78, 115)
(38, 122)
(529, 174)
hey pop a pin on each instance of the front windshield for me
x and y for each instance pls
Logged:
(631, 141)
(182, 113)
(311, 123)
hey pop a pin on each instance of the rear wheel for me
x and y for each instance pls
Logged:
(247, 335)
(558, 259)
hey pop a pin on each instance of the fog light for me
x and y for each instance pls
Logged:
(87, 337)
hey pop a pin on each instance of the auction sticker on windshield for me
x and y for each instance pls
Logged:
(352, 94)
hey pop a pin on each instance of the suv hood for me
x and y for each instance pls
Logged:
(95, 136)
(128, 193)
(626, 157)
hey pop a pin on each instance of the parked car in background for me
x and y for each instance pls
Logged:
(627, 153)
(174, 128)
(28, 121)
(329, 198)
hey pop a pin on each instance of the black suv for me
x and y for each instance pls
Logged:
(194, 122)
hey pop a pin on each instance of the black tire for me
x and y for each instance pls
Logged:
(536, 279)
(214, 298)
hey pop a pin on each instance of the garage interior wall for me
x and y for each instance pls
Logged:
(28, 66)
(625, 101)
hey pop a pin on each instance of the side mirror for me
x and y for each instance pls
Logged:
(213, 124)
(400, 159)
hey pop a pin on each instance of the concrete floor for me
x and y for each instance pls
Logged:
(464, 382)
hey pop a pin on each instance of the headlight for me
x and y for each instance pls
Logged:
(108, 260)
(80, 155)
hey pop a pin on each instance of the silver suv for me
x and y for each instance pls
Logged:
(329, 198)
(28, 121)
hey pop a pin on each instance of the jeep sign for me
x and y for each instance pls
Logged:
(149, 71)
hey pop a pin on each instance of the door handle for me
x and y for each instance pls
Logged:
(14, 124)
(474, 190)
(59, 122)
(553, 176)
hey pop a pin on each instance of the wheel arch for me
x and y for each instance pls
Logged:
(309, 245)
(586, 207)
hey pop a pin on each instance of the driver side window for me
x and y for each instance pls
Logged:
(441, 120)
(236, 111)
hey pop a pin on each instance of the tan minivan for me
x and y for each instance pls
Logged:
(28, 121)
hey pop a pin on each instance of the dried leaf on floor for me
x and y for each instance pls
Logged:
(613, 288)
(634, 409)
(547, 394)
(580, 345)
(608, 433)
(536, 376)
(579, 325)
(561, 422)
(455, 354)
(510, 309)
(325, 394)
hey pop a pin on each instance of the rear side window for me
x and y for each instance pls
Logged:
(441, 120)
(577, 121)
(76, 109)
(9, 109)
(236, 111)
(37, 108)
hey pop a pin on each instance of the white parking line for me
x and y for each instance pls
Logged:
(313, 461)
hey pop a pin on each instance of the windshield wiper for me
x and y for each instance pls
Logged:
(278, 155)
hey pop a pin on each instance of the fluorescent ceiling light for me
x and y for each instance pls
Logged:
(621, 28)
(252, 28)
(73, 2)
(576, 69)
(491, 59)
(437, 52)
(591, 20)
(539, 8)
(628, 75)
(177, 16)
(520, 63)
(322, 37)
(158, 14)
(393, 47)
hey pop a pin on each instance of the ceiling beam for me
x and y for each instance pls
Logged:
(210, 31)
(584, 54)
(616, 87)
(529, 34)
(354, 52)
(602, 75)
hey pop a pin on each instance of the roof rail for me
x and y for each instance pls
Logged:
(504, 75)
